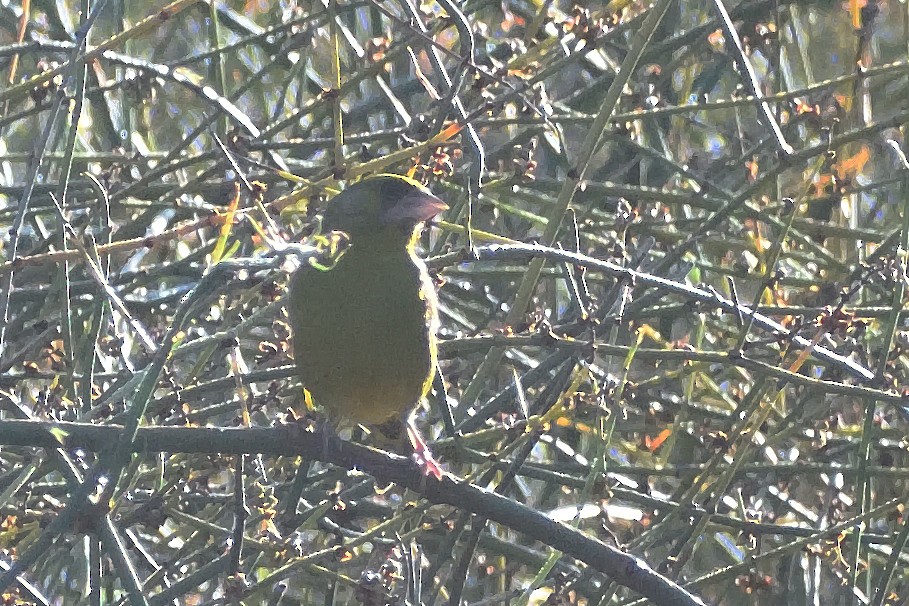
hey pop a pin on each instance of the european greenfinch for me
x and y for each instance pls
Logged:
(364, 324)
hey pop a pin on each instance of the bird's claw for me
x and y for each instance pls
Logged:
(428, 464)
(421, 455)
(301, 252)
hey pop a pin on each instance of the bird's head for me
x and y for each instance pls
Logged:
(384, 204)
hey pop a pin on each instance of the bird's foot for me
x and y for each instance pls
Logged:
(301, 252)
(331, 441)
(421, 454)
(428, 464)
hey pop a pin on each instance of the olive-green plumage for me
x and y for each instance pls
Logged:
(364, 329)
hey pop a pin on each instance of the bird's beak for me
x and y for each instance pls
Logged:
(415, 208)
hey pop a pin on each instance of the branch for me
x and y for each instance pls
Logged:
(294, 440)
(503, 252)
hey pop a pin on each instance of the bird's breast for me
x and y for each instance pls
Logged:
(364, 335)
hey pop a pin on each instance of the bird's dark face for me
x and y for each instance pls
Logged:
(381, 203)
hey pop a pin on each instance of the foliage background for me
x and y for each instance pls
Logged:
(670, 422)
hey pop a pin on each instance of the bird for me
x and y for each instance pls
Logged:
(364, 324)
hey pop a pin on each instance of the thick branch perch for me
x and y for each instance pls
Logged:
(294, 440)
